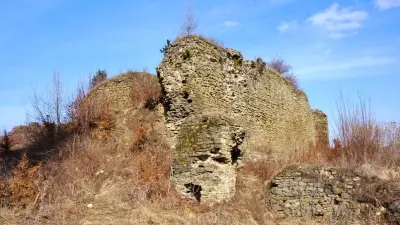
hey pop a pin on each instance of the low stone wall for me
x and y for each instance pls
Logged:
(311, 190)
(314, 191)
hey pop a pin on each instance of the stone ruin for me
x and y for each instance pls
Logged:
(312, 190)
(217, 105)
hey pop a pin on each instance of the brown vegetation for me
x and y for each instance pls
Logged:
(145, 90)
(92, 180)
(5, 142)
(280, 66)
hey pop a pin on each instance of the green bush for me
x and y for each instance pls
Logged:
(100, 76)
(186, 55)
(166, 47)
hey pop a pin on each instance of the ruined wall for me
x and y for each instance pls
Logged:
(310, 190)
(313, 191)
(200, 79)
(116, 92)
(321, 128)
(204, 155)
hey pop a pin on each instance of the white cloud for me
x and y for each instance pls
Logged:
(339, 22)
(338, 35)
(387, 4)
(286, 26)
(230, 23)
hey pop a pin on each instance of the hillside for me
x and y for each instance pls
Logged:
(211, 139)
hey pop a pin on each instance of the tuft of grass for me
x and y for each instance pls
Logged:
(292, 79)
(186, 55)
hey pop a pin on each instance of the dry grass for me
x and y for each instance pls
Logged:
(362, 139)
(23, 184)
(86, 113)
(94, 181)
(145, 90)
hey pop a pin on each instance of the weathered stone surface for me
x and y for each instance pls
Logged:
(205, 151)
(250, 103)
(321, 127)
(328, 191)
(116, 94)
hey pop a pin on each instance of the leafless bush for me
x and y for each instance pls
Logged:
(5, 142)
(49, 108)
(87, 112)
(280, 66)
(190, 23)
(358, 132)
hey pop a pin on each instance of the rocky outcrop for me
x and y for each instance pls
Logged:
(217, 105)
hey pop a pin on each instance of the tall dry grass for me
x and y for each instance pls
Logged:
(93, 181)
(145, 90)
(363, 139)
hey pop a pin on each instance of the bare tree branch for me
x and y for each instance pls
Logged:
(190, 23)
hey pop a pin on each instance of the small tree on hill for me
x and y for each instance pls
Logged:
(190, 23)
(100, 76)
(166, 47)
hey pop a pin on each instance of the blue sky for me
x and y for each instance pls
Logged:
(351, 46)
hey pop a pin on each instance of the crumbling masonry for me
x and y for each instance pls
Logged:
(217, 105)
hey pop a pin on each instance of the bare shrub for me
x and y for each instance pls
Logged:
(145, 90)
(280, 66)
(49, 108)
(5, 143)
(87, 112)
(23, 184)
(358, 132)
(154, 168)
(391, 136)
(292, 79)
(72, 107)
(190, 23)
